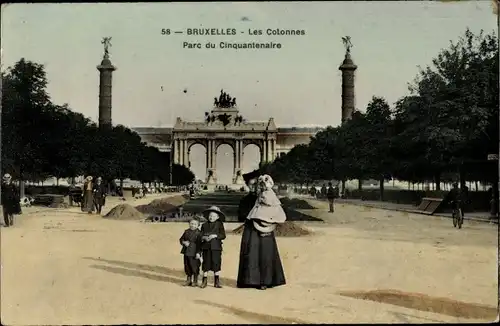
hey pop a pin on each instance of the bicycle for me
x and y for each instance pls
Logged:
(458, 216)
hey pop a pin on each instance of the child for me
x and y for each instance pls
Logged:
(191, 249)
(212, 233)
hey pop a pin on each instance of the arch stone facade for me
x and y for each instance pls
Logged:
(224, 125)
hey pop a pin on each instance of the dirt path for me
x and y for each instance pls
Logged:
(66, 267)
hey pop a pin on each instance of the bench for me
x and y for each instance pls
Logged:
(429, 205)
(48, 200)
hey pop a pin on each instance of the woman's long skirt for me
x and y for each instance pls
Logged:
(88, 201)
(260, 263)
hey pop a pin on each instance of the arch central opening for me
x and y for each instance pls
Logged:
(225, 164)
(198, 161)
(251, 158)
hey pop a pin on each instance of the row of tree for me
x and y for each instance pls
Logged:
(449, 118)
(41, 139)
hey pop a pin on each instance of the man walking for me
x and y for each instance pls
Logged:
(330, 195)
(99, 195)
(10, 200)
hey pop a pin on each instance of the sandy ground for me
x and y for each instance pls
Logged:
(66, 267)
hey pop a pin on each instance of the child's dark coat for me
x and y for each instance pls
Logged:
(212, 250)
(191, 264)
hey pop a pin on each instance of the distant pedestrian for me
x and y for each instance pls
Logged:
(323, 191)
(313, 191)
(330, 195)
(10, 200)
(88, 195)
(99, 195)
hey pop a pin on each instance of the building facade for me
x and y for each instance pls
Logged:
(224, 125)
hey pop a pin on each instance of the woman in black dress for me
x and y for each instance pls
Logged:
(260, 263)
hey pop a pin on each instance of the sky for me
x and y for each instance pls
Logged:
(298, 84)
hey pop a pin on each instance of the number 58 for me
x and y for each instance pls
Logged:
(165, 31)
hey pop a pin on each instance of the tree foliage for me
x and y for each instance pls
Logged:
(449, 117)
(41, 139)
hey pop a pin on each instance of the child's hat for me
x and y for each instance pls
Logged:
(215, 209)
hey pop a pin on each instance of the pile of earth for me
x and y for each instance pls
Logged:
(295, 203)
(287, 229)
(124, 212)
(163, 206)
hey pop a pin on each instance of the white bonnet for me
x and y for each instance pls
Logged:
(267, 180)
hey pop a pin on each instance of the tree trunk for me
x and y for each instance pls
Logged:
(343, 189)
(121, 184)
(437, 180)
(462, 177)
(21, 189)
(360, 184)
(381, 185)
(57, 181)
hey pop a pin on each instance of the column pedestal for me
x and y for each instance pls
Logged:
(238, 178)
(211, 177)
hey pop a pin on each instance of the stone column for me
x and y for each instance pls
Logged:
(179, 156)
(269, 150)
(186, 153)
(211, 158)
(238, 155)
(181, 152)
(176, 151)
(105, 91)
(348, 97)
(264, 151)
(207, 156)
(273, 150)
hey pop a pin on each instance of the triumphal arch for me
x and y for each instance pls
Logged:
(224, 125)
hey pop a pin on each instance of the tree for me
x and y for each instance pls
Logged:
(181, 175)
(449, 117)
(458, 101)
(41, 139)
(377, 147)
(24, 100)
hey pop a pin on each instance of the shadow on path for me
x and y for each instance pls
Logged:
(253, 316)
(131, 272)
(406, 318)
(427, 303)
(140, 268)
